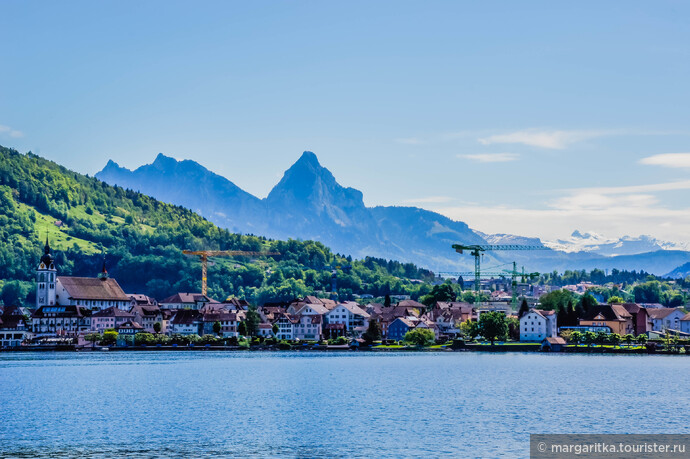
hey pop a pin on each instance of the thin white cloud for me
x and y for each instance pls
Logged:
(491, 157)
(611, 210)
(10, 132)
(552, 223)
(634, 189)
(668, 160)
(550, 139)
(429, 200)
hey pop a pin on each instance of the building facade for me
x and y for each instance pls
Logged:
(538, 325)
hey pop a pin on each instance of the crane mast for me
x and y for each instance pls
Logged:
(477, 251)
(205, 254)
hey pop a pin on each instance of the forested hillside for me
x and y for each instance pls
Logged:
(143, 239)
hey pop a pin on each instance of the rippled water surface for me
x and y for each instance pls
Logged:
(300, 404)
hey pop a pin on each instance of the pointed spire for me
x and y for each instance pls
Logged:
(46, 249)
(103, 275)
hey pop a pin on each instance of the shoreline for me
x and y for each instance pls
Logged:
(467, 348)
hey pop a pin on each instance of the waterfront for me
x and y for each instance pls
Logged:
(327, 405)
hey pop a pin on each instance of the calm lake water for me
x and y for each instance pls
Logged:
(299, 404)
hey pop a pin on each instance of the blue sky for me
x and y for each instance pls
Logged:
(535, 118)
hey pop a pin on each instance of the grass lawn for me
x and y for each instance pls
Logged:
(45, 225)
(609, 346)
(389, 346)
(511, 343)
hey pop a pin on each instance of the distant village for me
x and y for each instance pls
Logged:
(82, 311)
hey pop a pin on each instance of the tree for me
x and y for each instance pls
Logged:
(157, 327)
(14, 293)
(586, 304)
(524, 308)
(648, 292)
(558, 301)
(602, 337)
(567, 335)
(373, 332)
(242, 328)
(275, 328)
(469, 329)
(513, 328)
(641, 339)
(615, 339)
(443, 292)
(144, 338)
(589, 338)
(629, 339)
(493, 326)
(109, 337)
(252, 321)
(216, 327)
(387, 301)
(615, 300)
(420, 337)
(576, 337)
(93, 338)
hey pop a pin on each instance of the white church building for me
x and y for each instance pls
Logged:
(64, 304)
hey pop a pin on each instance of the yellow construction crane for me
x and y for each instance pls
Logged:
(204, 254)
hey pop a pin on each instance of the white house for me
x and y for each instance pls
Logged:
(186, 322)
(349, 314)
(685, 323)
(285, 326)
(111, 317)
(537, 325)
(308, 327)
(666, 318)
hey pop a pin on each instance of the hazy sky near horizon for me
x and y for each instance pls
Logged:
(532, 118)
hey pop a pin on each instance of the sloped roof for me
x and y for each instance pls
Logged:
(93, 288)
(354, 308)
(410, 304)
(186, 297)
(608, 312)
(130, 324)
(186, 317)
(316, 307)
(661, 313)
(61, 311)
(142, 299)
(406, 320)
(221, 316)
(145, 310)
(112, 312)
(632, 308)
(555, 340)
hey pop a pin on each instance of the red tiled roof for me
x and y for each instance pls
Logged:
(92, 288)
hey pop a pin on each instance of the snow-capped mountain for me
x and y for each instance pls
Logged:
(602, 245)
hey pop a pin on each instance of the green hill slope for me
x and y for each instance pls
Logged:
(143, 239)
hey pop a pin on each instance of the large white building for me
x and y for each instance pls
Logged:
(666, 318)
(349, 314)
(64, 305)
(537, 325)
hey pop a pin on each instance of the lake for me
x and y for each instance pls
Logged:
(315, 404)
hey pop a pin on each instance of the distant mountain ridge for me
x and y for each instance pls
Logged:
(309, 203)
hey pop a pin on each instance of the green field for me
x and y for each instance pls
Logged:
(59, 239)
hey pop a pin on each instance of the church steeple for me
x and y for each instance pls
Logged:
(46, 277)
(47, 259)
(103, 275)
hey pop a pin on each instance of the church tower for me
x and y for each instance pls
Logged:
(46, 276)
